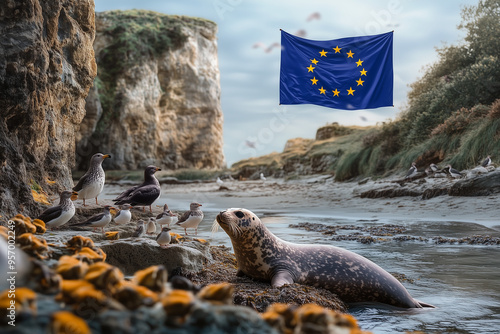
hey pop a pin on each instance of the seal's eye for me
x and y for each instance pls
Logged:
(239, 214)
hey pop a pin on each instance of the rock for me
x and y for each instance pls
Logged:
(481, 185)
(390, 193)
(160, 108)
(47, 66)
(133, 254)
(332, 130)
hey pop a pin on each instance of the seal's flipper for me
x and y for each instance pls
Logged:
(422, 304)
(281, 278)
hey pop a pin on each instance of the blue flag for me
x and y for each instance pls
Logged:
(348, 73)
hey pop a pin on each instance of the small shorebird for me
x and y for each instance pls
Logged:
(140, 229)
(99, 220)
(163, 239)
(453, 172)
(486, 162)
(91, 183)
(219, 181)
(262, 177)
(434, 167)
(412, 171)
(191, 218)
(144, 194)
(60, 214)
(167, 217)
(124, 215)
(151, 227)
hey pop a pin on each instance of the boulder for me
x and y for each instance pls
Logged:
(481, 185)
(134, 254)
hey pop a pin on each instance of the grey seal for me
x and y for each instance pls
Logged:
(263, 256)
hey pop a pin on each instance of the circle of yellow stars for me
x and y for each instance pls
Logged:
(337, 92)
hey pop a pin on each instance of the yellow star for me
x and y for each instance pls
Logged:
(314, 61)
(360, 82)
(358, 63)
(314, 80)
(322, 91)
(335, 92)
(310, 68)
(323, 53)
(350, 54)
(363, 72)
(337, 49)
(350, 91)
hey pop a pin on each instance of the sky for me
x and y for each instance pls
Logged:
(254, 122)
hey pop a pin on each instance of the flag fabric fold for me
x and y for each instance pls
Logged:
(347, 73)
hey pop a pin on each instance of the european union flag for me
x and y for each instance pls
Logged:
(347, 73)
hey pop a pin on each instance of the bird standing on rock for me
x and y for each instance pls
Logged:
(164, 237)
(453, 172)
(99, 220)
(91, 183)
(167, 217)
(124, 215)
(144, 194)
(60, 214)
(412, 171)
(191, 218)
(151, 228)
(140, 229)
(486, 162)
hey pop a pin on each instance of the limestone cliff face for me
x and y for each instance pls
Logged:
(47, 66)
(165, 107)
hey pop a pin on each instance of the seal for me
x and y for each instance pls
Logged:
(263, 256)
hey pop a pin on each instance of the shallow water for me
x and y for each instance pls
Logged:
(462, 281)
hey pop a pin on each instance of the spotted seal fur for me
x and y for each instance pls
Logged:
(263, 256)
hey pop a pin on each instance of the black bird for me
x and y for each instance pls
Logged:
(144, 194)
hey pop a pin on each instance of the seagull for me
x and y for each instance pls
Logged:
(434, 167)
(453, 172)
(219, 181)
(314, 16)
(124, 215)
(91, 183)
(60, 214)
(99, 220)
(412, 171)
(167, 217)
(486, 162)
(262, 177)
(151, 227)
(191, 218)
(140, 229)
(163, 239)
(144, 194)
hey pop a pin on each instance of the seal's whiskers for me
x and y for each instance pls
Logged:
(215, 226)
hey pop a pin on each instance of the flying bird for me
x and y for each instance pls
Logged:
(313, 16)
(144, 194)
(91, 183)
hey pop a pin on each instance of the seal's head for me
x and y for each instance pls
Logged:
(236, 222)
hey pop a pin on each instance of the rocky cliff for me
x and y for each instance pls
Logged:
(156, 99)
(47, 66)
